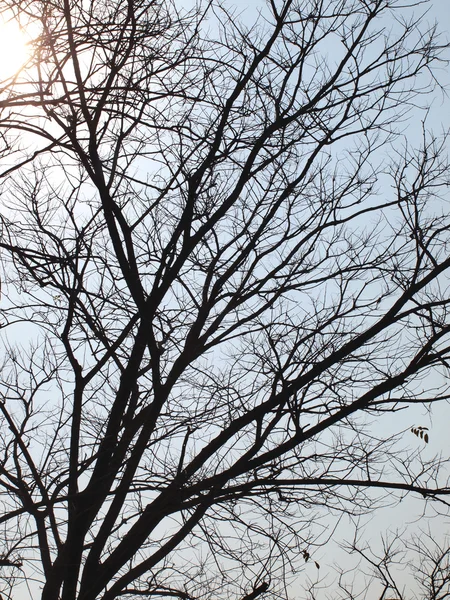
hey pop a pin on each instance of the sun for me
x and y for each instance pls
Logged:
(14, 50)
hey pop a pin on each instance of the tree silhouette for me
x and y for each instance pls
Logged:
(378, 571)
(224, 269)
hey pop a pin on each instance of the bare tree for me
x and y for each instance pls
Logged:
(417, 568)
(230, 269)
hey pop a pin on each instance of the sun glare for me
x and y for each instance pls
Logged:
(13, 49)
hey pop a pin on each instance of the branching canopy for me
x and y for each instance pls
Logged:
(230, 269)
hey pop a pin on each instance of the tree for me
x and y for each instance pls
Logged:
(231, 270)
(426, 558)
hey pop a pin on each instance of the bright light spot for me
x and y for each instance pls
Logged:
(13, 49)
